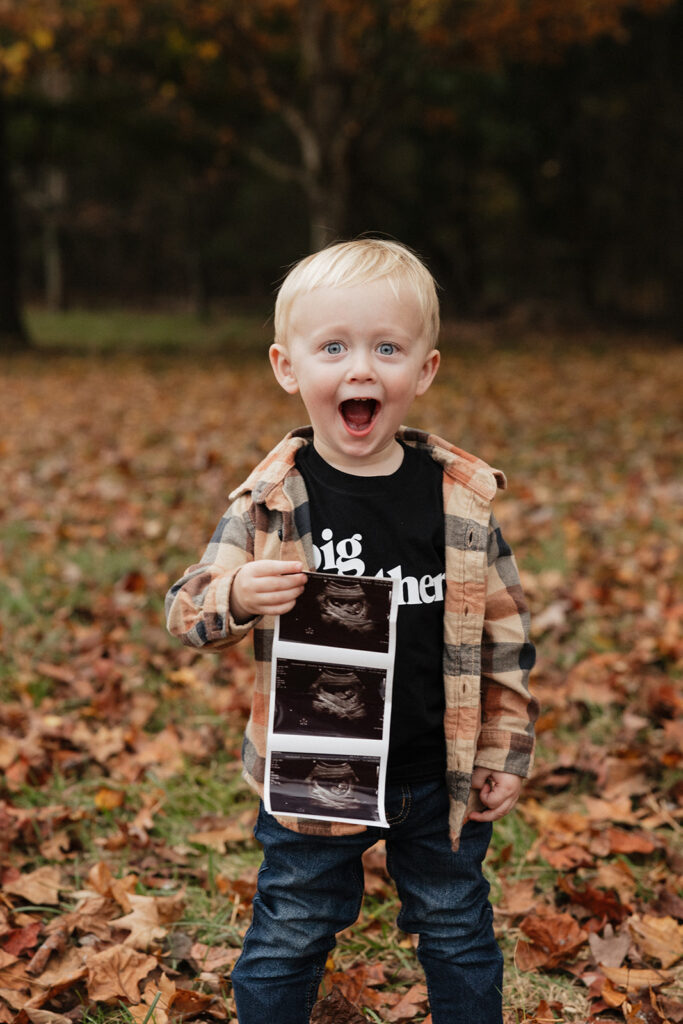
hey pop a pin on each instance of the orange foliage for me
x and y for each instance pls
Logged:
(486, 32)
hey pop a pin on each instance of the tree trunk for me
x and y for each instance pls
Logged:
(52, 265)
(322, 123)
(196, 263)
(327, 203)
(13, 336)
(326, 134)
(53, 258)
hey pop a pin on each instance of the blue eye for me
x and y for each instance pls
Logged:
(333, 348)
(387, 348)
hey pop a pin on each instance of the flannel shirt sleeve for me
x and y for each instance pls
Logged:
(508, 711)
(198, 604)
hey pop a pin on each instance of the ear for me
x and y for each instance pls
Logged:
(282, 368)
(428, 371)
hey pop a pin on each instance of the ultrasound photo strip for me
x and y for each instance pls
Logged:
(352, 613)
(317, 785)
(329, 700)
(330, 707)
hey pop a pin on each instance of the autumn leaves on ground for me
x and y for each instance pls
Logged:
(126, 859)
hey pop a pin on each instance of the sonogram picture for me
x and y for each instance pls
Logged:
(330, 707)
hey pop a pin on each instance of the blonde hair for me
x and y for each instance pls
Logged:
(350, 263)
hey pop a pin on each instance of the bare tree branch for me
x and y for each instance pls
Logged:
(275, 168)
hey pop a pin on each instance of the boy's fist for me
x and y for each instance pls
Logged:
(266, 587)
(498, 791)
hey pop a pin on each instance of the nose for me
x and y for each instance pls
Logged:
(360, 366)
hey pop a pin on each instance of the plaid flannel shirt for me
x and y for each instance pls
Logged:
(487, 653)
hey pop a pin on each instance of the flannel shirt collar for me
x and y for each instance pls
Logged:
(265, 482)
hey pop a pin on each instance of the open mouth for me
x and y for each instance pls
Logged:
(359, 414)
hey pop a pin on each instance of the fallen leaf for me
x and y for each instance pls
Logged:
(109, 799)
(39, 886)
(335, 1008)
(217, 839)
(170, 908)
(618, 876)
(143, 922)
(243, 886)
(9, 751)
(356, 983)
(555, 938)
(19, 940)
(517, 897)
(188, 1002)
(597, 901)
(643, 1010)
(212, 958)
(610, 995)
(611, 949)
(91, 917)
(101, 878)
(15, 987)
(375, 869)
(116, 972)
(620, 809)
(411, 1003)
(566, 858)
(631, 980)
(545, 1013)
(47, 1017)
(166, 989)
(621, 841)
(63, 973)
(658, 937)
(56, 847)
(554, 616)
(162, 750)
(144, 819)
(672, 1009)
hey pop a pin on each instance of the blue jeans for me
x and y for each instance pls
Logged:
(311, 887)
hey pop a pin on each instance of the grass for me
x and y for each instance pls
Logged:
(115, 332)
(117, 468)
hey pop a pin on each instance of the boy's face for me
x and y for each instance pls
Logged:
(358, 357)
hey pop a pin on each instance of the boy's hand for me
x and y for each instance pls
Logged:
(266, 587)
(498, 791)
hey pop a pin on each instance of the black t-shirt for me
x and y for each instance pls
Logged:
(393, 526)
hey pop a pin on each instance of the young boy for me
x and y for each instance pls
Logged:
(356, 330)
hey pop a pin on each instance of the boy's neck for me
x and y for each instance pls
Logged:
(384, 464)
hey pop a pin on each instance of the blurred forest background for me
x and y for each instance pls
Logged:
(162, 162)
(183, 152)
